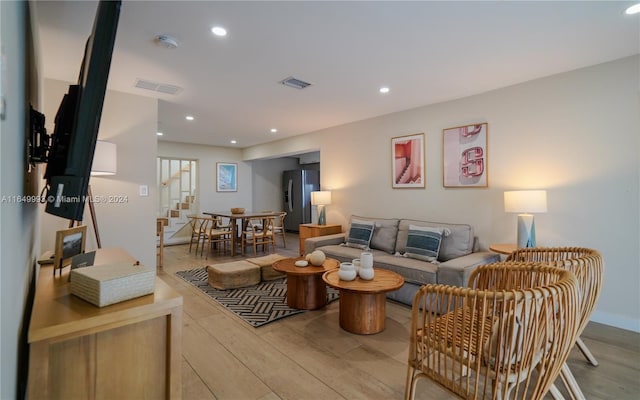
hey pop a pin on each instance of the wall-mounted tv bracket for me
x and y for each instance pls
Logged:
(38, 142)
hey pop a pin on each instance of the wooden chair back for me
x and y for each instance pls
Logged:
(216, 233)
(199, 225)
(278, 227)
(161, 222)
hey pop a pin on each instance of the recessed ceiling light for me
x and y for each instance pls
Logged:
(159, 133)
(384, 89)
(234, 141)
(634, 9)
(189, 117)
(219, 31)
(274, 130)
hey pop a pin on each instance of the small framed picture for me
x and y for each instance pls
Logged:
(69, 242)
(464, 155)
(226, 177)
(407, 161)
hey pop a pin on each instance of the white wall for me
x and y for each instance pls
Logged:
(575, 134)
(267, 182)
(207, 156)
(18, 220)
(130, 122)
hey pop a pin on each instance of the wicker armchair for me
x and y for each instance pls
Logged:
(505, 336)
(588, 267)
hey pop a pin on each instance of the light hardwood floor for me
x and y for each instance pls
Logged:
(308, 356)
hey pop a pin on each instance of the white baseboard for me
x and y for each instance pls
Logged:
(618, 321)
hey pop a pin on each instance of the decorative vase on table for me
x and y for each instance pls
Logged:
(366, 259)
(366, 266)
(347, 271)
(366, 273)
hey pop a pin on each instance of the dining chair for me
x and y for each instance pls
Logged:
(198, 230)
(217, 235)
(259, 232)
(498, 339)
(278, 227)
(161, 222)
(588, 266)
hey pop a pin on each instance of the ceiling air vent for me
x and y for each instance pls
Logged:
(295, 83)
(157, 87)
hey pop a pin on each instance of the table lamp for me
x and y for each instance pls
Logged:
(321, 199)
(104, 163)
(526, 202)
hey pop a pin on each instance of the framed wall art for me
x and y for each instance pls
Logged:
(226, 177)
(465, 156)
(407, 161)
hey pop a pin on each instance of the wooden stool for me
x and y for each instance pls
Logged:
(233, 275)
(267, 272)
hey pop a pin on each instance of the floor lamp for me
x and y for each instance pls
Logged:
(526, 202)
(104, 163)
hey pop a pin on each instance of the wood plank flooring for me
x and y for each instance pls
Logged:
(308, 356)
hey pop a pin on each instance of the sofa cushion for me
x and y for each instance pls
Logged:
(343, 253)
(423, 243)
(360, 234)
(457, 244)
(412, 270)
(385, 232)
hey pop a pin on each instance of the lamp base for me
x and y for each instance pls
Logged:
(322, 218)
(526, 231)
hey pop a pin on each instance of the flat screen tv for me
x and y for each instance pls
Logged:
(78, 118)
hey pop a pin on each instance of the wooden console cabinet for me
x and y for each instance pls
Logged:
(314, 230)
(131, 349)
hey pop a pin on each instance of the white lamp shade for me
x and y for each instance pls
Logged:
(321, 198)
(104, 159)
(525, 201)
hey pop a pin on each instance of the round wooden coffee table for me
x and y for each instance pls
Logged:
(363, 303)
(305, 288)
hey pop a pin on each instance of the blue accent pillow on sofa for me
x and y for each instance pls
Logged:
(423, 243)
(360, 234)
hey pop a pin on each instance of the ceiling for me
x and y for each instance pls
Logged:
(425, 52)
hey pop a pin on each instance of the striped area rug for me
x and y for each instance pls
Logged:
(257, 305)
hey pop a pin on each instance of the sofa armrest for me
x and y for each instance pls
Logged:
(310, 244)
(456, 271)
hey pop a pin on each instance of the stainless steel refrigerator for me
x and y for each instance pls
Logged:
(297, 186)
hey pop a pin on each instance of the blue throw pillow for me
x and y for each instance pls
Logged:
(360, 234)
(423, 243)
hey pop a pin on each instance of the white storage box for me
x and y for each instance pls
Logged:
(107, 284)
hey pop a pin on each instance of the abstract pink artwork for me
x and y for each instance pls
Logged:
(408, 161)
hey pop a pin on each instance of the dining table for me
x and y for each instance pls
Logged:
(233, 221)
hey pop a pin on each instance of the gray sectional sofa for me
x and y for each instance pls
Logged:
(457, 256)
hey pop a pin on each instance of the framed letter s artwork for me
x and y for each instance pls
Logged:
(465, 156)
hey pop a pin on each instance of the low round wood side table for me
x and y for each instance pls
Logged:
(503, 248)
(363, 303)
(305, 287)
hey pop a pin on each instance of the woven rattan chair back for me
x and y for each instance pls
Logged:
(585, 263)
(588, 266)
(506, 342)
